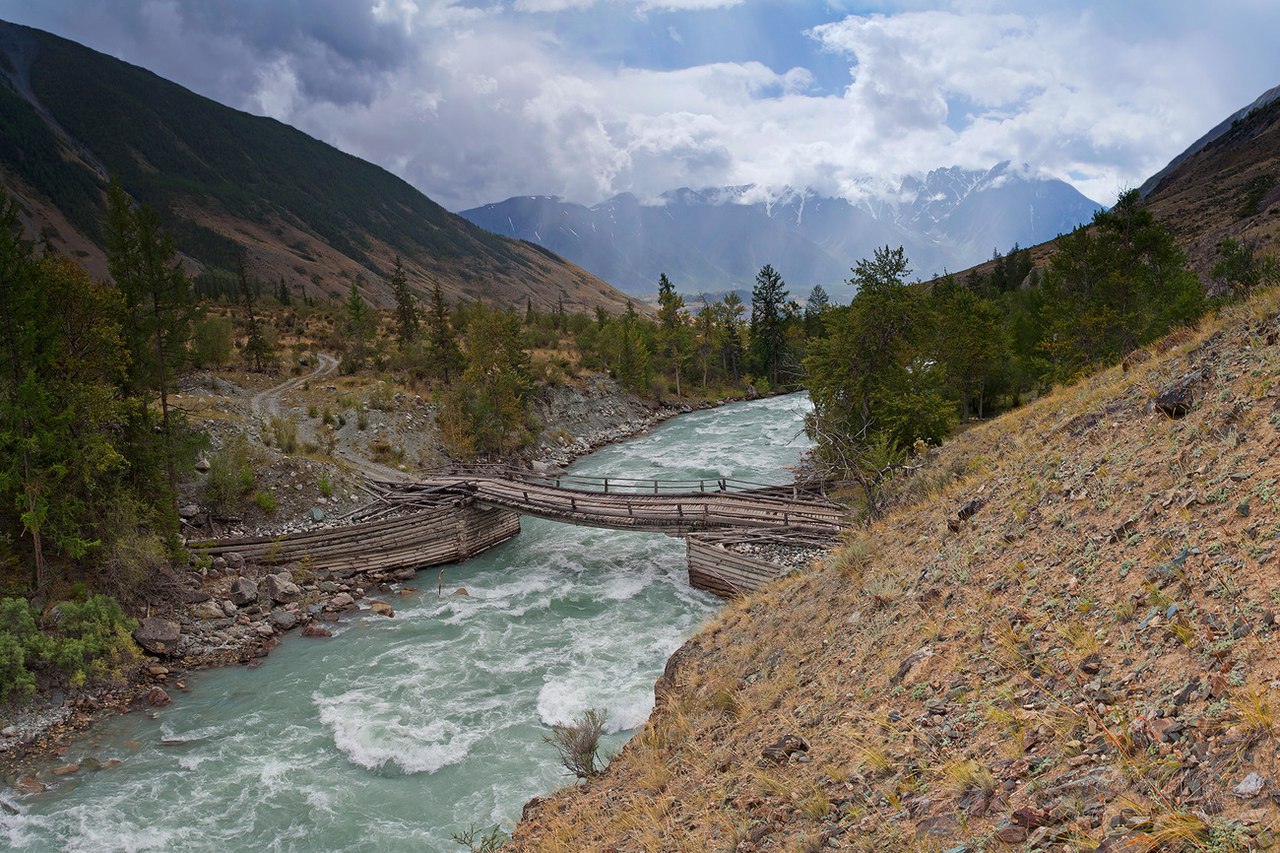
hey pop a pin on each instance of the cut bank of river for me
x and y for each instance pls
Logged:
(399, 732)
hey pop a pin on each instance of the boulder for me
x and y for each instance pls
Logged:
(189, 511)
(209, 610)
(202, 464)
(314, 630)
(462, 590)
(244, 591)
(1177, 398)
(158, 636)
(282, 590)
(381, 608)
(235, 561)
(283, 620)
(342, 601)
(157, 697)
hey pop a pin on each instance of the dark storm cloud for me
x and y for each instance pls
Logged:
(476, 100)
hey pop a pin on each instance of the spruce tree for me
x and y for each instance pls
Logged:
(768, 331)
(408, 317)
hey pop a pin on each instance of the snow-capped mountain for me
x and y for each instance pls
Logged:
(716, 239)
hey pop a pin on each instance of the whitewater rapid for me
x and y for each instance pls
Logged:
(397, 733)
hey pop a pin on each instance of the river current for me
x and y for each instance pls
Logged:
(399, 732)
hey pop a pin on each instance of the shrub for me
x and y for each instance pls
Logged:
(579, 743)
(16, 681)
(266, 501)
(230, 476)
(95, 642)
(90, 642)
(285, 434)
(211, 340)
(326, 487)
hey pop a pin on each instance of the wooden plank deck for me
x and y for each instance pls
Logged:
(637, 505)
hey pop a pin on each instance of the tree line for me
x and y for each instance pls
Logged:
(906, 361)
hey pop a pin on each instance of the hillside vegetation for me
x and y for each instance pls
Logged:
(226, 182)
(1058, 636)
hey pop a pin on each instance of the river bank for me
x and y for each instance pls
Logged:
(229, 613)
(401, 731)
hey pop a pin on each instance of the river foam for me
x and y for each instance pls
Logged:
(399, 732)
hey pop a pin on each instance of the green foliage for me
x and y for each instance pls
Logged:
(408, 320)
(488, 412)
(89, 641)
(1114, 286)
(16, 681)
(61, 412)
(1242, 268)
(673, 330)
(266, 502)
(212, 341)
(230, 477)
(361, 323)
(770, 316)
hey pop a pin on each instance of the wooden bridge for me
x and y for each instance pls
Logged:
(455, 515)
(674, 507)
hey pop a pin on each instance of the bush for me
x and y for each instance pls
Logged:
(266, 502)
(95, 644)
(211, 342)
(579, 743)
(230, 477)
(91, 643)
(285, 434)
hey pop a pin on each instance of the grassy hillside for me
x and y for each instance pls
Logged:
(223, 179)
(1085, 663)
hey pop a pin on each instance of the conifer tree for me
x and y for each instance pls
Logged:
(408, 317)
(359, 327)
(159, 305)
(257, 348)
(672, 331)
(768, 331)
(443, 353)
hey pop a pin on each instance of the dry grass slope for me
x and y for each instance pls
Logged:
(1087, 663)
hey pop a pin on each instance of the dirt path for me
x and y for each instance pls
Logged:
(266, 404)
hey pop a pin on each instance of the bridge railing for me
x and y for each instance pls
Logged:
(634, 486)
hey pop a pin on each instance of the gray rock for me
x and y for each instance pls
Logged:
(158, 636)
(283, 620)
(189, 511)
(244, 591)
(342, 601)
(281, 589)
(202, 464)
(1249, 787)
(209, 610)
(235, 561)
(317, 514)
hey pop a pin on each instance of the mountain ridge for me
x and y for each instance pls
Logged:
(716, 238)
(226, 182)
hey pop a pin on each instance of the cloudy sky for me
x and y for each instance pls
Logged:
(473, 101)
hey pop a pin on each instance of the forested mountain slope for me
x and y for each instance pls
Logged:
(226, 181)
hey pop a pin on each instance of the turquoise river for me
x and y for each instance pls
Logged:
(397, 733)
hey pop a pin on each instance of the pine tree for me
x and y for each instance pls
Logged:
(768, 331)
(359, 327)
(672, 331)
(444, 356)
(408, 318)
(257, 348)
(159, 304)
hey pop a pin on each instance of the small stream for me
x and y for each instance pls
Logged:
(397, 733)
